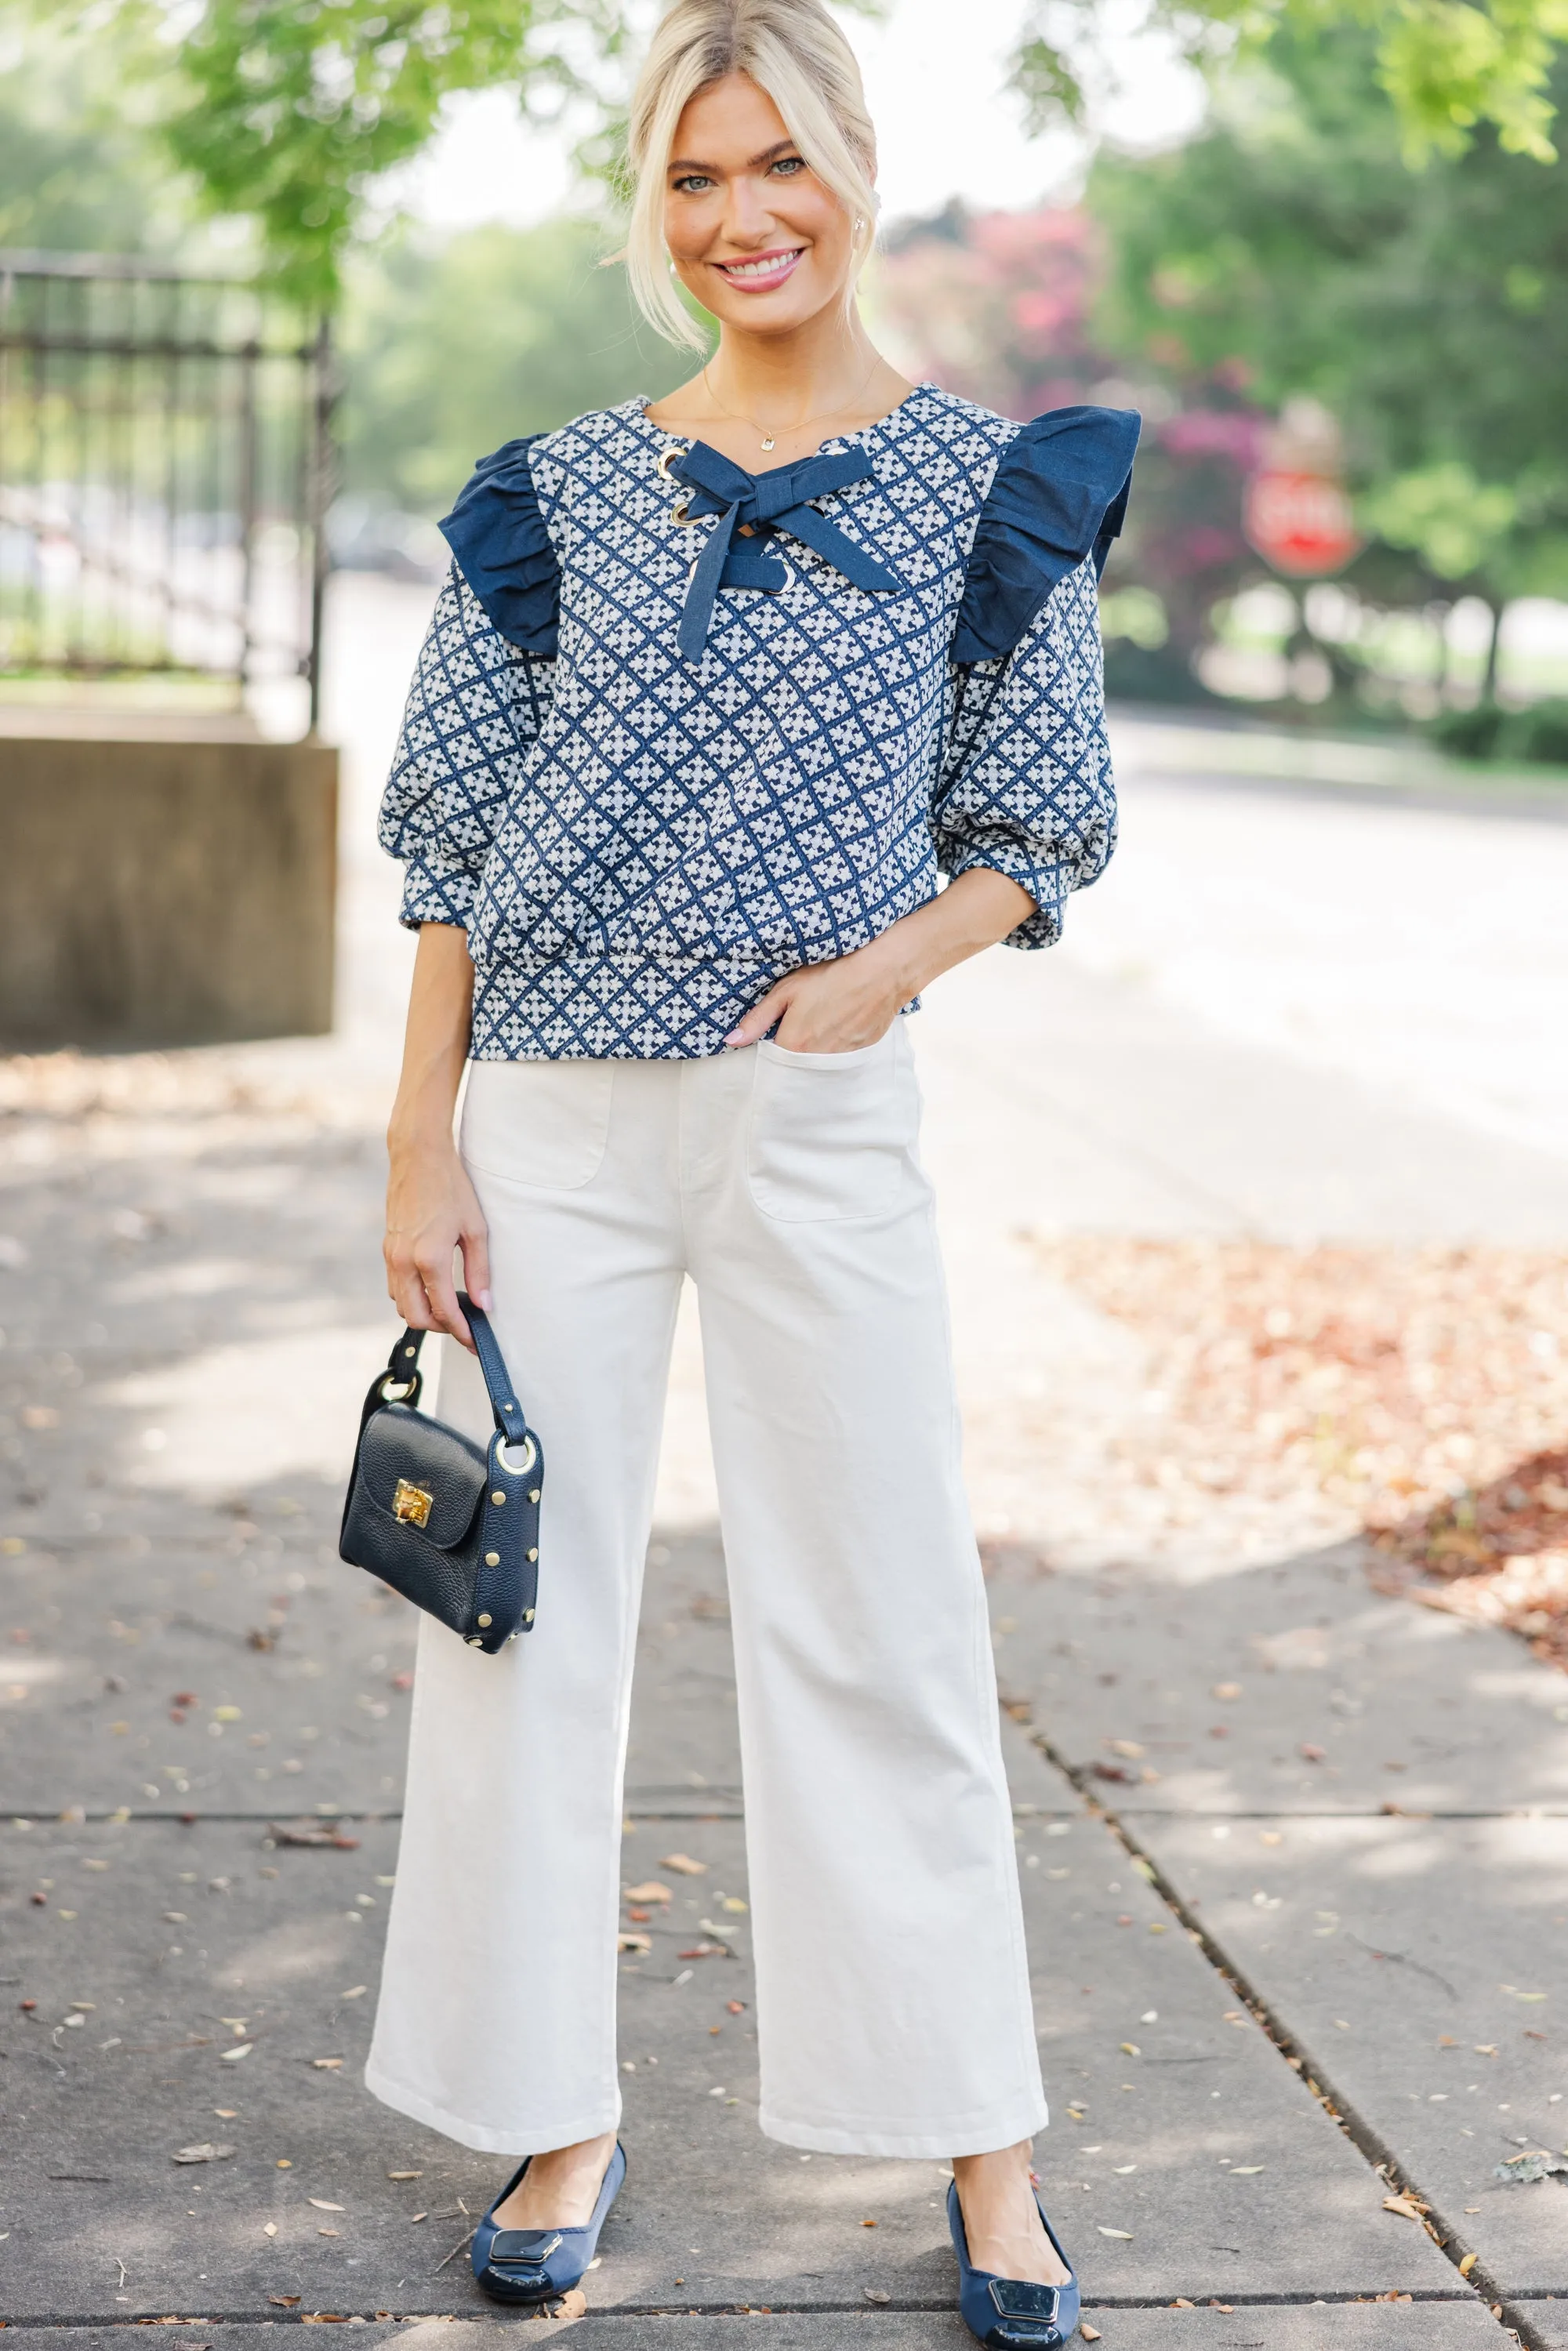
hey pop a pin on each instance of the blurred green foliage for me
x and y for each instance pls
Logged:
(452, 347)
(77, 170)
(286, 111)
(1288, 247)
(1440, 68)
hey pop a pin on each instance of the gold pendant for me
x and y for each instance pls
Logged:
(769, 443)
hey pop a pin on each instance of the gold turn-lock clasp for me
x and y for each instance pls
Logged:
(411, 1504)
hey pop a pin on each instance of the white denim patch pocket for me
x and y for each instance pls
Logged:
(539, 1123)
(832, 1135)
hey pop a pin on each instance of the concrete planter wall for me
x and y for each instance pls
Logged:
(165, 892)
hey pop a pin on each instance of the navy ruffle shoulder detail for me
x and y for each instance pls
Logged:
(497, 534)
(1060, 494)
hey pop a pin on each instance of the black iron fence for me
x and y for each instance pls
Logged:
(164, 474)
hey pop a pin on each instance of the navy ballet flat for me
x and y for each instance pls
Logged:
(539, 2265)
(1009, 2313)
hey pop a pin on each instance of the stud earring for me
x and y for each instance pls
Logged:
(860, 224)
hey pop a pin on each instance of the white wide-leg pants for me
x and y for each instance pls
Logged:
(893, 2003)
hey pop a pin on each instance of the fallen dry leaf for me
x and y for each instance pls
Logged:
(206, 2153)
(652, 1892)
(1535, 2163)
(322, 2206)
(233, 2056)
(1245, 2170)
(705, 1952)
(326, 2064)
(312, 1833)
(1126, 2234)
(269, 2229)
(635, 1943)
(683, 1864)
(1467, 2264)
(1403, 2206)
(876, 2293)
(286, 2301)
(406, 2175)
(573, 2305)
(1089, 2334)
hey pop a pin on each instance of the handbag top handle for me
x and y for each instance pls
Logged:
(510, 1418)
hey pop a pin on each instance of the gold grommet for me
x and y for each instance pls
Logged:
(667, 456)
(483, 1622)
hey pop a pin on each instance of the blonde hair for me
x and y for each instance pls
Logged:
(794, 51)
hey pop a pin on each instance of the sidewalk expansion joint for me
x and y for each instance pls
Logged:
(1362, 2136)
(920, 2304)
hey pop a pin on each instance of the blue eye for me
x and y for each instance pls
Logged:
(692, 184)
(789, 164)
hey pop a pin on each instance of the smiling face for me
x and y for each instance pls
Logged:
(756, 235)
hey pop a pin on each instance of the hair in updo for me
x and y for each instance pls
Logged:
(793, 50)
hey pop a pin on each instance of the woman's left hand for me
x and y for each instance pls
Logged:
(835, 1007)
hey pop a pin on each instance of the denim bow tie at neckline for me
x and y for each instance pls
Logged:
(759, 505)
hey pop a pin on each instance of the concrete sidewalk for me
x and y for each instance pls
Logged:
(1256, 1983)
(1273, 1990)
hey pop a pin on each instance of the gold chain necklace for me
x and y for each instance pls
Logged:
(770, 439)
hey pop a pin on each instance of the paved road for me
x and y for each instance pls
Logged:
(1263, 2007)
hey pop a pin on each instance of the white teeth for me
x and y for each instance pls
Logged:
(773, 268)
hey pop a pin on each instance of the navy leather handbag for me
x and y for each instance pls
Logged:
(452, 1525)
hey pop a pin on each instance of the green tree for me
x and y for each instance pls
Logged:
(452, 347)
(1428, 311)
(1444, 68)
(78, 172)
(286, 111)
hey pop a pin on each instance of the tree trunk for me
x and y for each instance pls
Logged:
(1488, 680)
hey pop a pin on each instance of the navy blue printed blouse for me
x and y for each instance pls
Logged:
(677, 729)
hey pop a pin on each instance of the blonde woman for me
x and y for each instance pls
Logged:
(718, 687)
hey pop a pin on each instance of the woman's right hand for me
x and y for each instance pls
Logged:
(432, 1213)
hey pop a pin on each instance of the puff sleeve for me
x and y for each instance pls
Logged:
(1024, 785)
(481, 688)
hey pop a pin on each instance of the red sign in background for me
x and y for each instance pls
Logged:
(1301, 524)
